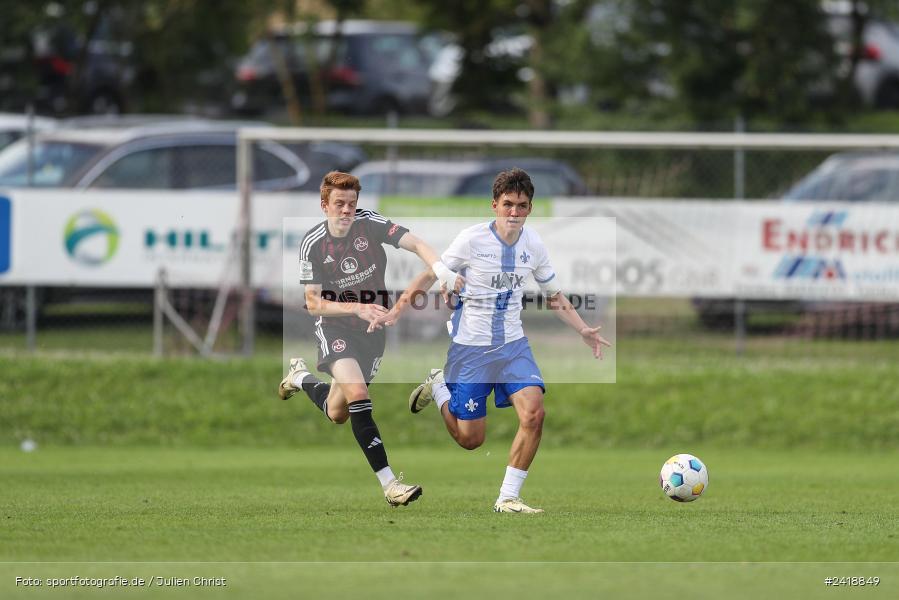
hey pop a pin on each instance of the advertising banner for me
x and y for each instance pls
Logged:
(666, 248)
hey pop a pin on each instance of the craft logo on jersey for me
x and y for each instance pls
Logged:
(360, 244)
(349, 265)
(507, 281)
(91, 237)
(338, 345)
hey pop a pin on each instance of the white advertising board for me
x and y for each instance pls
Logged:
(123, 238)
(681, 248)
(822, 251)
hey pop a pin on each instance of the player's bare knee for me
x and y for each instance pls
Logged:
(471, 441)
(355, 393)
(533, 419)
(340, 418)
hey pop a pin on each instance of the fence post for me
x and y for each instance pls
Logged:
(245, 181)
(158, 300)
(739, 195)
(30, 318)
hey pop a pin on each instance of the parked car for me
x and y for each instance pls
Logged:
(864, 176)
(14, 126)
(856, 176)
(438, 178)
(58, 72)
(876, 77)
(365, 67)
(185, 154)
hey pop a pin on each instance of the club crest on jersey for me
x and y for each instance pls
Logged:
(525, 257)
(360, 243)
(507, 281)
(338, 345)
(349, 265)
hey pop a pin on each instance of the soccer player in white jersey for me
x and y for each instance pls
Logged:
(489, 352)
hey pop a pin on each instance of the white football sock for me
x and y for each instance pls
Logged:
(299, 377)
(441, 394)
(512, 483)
(385, 476)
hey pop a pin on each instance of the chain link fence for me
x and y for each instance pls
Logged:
(74, 315)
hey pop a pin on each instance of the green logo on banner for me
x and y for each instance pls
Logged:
(91, 237)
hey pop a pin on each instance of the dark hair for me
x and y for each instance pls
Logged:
(336, 180)
(515, 181)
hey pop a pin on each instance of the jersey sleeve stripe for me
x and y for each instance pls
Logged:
(311, 238)
(547, 280)
(370, 215)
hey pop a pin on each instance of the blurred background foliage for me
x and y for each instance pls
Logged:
(697, 61)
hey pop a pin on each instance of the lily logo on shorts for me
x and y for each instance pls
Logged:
(360, 244)
(338, 345)
(471, 405)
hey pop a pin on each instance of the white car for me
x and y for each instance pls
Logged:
(15, 126)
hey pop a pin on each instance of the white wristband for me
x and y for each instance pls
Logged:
(445, 275)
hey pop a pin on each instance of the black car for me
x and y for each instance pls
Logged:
(360, 67)
(57, 72)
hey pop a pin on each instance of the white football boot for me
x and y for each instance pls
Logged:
(398, 493)
(287, 387)
(424, 393)
(514, 505)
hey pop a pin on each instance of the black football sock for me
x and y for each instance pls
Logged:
(317, 391)
(367, 434)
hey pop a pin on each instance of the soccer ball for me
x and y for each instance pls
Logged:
(684, 477)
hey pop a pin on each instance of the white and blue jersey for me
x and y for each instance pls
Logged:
(489, 352)
(495, 274)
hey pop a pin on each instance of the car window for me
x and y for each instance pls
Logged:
(260, 54)
(7, 138)
(814, 187)
(325, 45)
(868, 185)
(268, 167)
(144, 169)
(206, 166)
(373, 183)
(546, 183)
(189, 167)
(410, 184)
(395, 51)
(52, 164)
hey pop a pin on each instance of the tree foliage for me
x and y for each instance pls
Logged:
(748, 57)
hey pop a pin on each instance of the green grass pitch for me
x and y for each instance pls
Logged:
(208, 512)
(183, 468)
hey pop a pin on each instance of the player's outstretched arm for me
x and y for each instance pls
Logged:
(420, 284)
(321, 307)
(446, 276)
(566, 312)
